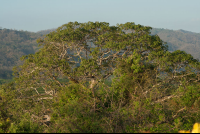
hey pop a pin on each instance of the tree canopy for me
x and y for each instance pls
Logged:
(150, 86)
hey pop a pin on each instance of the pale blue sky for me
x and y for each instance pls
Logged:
(35, 15)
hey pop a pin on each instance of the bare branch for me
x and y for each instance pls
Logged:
(165, 98)
(44, 98)
(179, 111)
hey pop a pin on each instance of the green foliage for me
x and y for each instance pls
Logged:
(3, 81)
(92, 77)
(24, 126)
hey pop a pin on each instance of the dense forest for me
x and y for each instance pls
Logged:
(95, 78)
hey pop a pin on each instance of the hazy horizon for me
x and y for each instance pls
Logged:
(56, 28)
(37, 15)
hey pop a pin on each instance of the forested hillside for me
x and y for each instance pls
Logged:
(180, 40)
(14, 44)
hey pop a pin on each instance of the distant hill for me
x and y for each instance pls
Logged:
(184, 31)
(14, 44)
(43, 32)
(180, 40)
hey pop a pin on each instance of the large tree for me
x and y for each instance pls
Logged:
(150, 84)
(83, 52)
